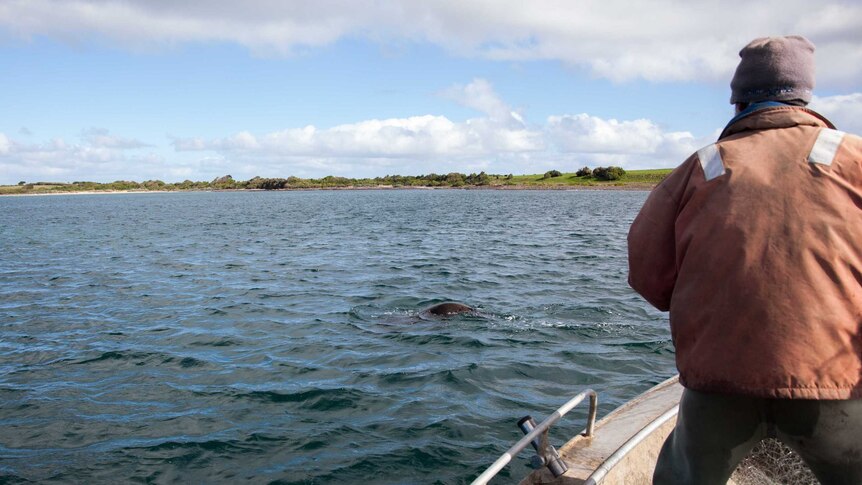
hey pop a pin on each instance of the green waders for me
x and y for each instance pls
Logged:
(714, 432)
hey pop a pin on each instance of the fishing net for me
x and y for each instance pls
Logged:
(771, 463)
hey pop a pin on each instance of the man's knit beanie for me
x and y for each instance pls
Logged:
(774, 69)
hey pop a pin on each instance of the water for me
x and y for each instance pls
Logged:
(278, 336)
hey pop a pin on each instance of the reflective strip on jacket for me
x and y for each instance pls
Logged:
(754, 245)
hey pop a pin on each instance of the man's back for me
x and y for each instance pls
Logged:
(766, 257)
(753, 245)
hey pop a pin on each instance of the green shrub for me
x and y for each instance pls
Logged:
(334, 181)
(584, 172)
(455, 179)
(121, 185)
(153, 184)
(480, 179)
(226, 182)
(608, 173)
(272, 184)
(551, 174)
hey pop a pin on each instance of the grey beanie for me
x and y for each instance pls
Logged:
(774, 69)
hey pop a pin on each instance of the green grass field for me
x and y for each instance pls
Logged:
(632, 177)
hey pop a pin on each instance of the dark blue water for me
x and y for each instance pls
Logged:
(278, 337)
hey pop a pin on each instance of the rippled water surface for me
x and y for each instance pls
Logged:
(278, 336)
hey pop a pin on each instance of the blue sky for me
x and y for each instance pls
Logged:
(104, 90)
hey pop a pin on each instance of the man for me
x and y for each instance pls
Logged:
(754, 245)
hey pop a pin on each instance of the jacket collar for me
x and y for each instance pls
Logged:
(762, 116)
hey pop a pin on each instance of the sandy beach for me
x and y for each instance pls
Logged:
(92, 192)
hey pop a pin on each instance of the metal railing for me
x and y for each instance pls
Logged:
(599, 474)
(541, 432)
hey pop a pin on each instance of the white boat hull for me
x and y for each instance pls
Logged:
(652, 411)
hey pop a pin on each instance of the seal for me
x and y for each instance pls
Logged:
(447, 308)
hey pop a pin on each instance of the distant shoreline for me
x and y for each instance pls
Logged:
(599, 178)
(613, 187)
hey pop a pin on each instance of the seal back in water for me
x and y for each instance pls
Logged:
(447, 308)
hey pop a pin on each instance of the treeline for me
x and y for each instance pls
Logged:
(227, 182)
(453, 179)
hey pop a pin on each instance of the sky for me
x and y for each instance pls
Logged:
(104, 90)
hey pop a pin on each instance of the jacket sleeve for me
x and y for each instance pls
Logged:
(652, 249)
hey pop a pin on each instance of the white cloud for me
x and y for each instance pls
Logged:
(615, 39)
(427, 137)
(638, 143)
(98, 155)
(480, 95)
(499, 142)
(4, 144)
(496, 142)
(590, 134)
(101, 138)
(407, 146)
(843, 110)
(417, 136)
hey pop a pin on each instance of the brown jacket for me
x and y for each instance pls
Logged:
(754, 244)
